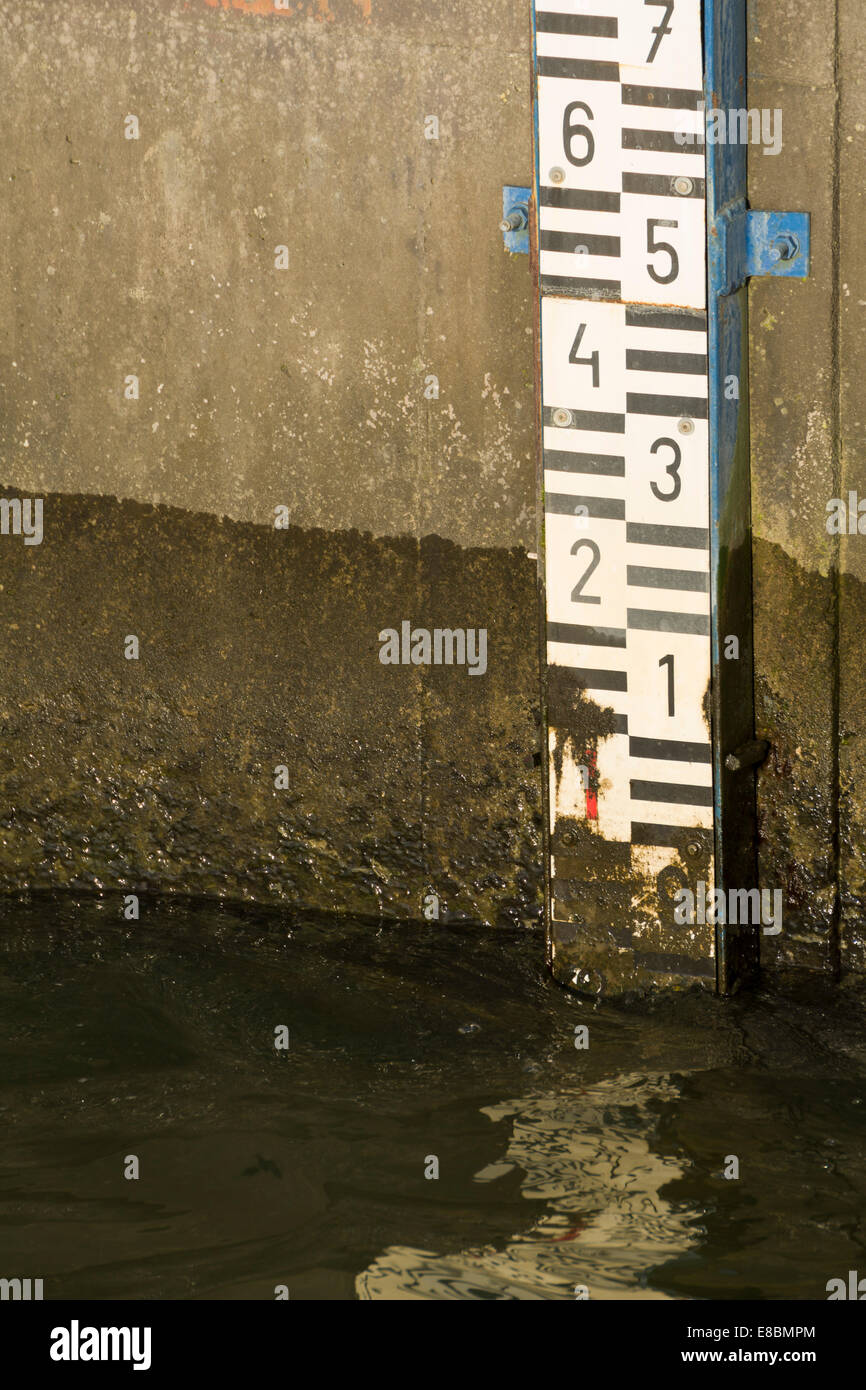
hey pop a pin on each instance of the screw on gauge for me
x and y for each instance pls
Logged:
(693, 849)
(684, 186)
(686, 426)
(562, 417)
(557, 175)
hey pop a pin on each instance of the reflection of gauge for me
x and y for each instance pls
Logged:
(589, 1166)
(670, 881)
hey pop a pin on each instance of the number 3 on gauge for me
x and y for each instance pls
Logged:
(673, 469)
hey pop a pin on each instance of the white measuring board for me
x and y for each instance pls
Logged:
(624, 396)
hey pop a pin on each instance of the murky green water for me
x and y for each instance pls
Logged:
(557, 1167)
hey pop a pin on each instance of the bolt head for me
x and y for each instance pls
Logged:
(557, 175)
(515, 220)
(686, 426)
(684, 186)
(785, 248)
(562, 417)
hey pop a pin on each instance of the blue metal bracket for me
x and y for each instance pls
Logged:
(744, 243)
(515, 218)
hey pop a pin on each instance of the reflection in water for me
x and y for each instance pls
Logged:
(587, 1154)
(302, 1168)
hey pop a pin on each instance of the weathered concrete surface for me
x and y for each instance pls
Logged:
(851, 352)
(796, 788)
(305, 387)
(156, 257)
(260, 387)
(794, 373)
(258, 649)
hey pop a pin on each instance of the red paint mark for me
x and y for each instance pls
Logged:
(570, 1235)
(591, 763)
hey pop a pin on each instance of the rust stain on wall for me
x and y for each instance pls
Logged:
(321, 8)
(289, 9)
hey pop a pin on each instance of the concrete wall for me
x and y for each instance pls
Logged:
(807, 373)
(305, 387)
(262, 387)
